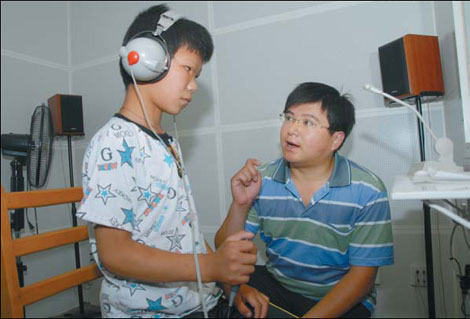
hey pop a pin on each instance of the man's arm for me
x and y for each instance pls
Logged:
(234, 222)
(245, 185)
(231, 263)
(348, 292)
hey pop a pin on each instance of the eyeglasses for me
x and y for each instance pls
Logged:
(304, 122)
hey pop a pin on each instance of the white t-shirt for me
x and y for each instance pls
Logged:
(131, 182)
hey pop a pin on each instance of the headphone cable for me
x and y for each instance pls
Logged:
(191, 205)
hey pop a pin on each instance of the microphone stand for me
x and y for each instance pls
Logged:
(427, 223)
(17, 217)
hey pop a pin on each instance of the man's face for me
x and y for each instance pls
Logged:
(175, 90)
(305, 138)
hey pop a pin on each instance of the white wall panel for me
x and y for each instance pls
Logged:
(25, 85)
(36, 28)
(259, 67)
(200, 157)
(262, 144)
(388, 145)
(98, 27)
(227, 13)
(102, 94)
(452, 97)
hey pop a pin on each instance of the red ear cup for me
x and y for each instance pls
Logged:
(133, 57)
(147, 53)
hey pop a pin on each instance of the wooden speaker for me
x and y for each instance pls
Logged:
(411, 66)
(67, 114)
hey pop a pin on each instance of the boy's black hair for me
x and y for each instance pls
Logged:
(182, 33)
(339, 108)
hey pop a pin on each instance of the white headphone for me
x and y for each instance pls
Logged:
(148, 56)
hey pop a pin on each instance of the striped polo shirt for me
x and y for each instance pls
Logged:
(310, 249)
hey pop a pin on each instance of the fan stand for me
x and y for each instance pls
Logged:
(17, 218)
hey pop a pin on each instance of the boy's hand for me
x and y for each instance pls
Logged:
(234, 260)
(246, 183)
(257, 300)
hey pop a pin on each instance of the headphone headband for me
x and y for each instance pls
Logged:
(166, 21)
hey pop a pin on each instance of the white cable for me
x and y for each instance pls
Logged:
(430, 148)
(194, 224)
(191, 205)
(451, 215)
(377, 91)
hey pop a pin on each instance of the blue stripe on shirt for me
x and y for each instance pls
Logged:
(305, 253)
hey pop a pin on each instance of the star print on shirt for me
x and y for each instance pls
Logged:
(175, 240)
(168, 159)
(155, 305)
(136, 224)
(134, 189)
(146, 194)
(126, 155)
(80, 214)
(143, 154)
(104, 193)
(129, 216)
(133, 287)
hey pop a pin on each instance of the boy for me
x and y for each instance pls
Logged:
(325, 220)
(136, 193)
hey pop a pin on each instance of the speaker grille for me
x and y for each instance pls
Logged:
(394, 68)
(72, 114)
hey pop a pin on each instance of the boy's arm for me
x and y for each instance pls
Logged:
(245, 185)
(231, 263)
(348, 292)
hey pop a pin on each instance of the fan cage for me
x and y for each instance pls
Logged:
(42, 137)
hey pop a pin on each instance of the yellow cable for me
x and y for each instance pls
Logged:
(283, 310)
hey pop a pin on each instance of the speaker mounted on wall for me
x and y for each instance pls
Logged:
(411, 66)
(67, 114)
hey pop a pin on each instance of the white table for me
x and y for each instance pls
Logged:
(404, 189)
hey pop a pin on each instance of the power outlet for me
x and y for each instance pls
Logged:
(418, 276)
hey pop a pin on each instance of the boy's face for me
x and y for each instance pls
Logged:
(175, 90)
(307, 146)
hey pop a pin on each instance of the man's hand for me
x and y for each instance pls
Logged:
(246, 183)
(234, 260)
(257, 300)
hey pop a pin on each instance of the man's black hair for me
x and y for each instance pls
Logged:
(339, 108)
(183, 33)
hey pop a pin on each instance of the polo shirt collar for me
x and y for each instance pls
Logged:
(341, 175)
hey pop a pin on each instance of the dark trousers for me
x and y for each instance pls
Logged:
(293, 302)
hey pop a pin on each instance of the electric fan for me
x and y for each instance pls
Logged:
(34, 151)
